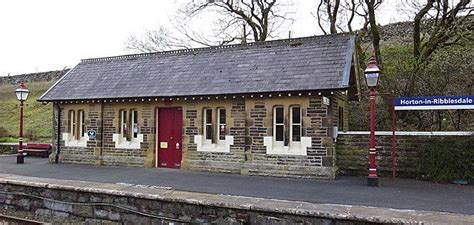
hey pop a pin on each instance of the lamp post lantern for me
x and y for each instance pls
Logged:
(21, 94)
(372, 73)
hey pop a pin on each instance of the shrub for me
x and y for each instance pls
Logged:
(8, 139)
(30, 135)
(448, 159)
(4, 132)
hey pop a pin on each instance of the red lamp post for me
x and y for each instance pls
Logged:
(372, 73)
(21, 94)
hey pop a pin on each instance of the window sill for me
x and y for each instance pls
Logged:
(70, 141)
(294, 148)
(204, 145)
(121, 142)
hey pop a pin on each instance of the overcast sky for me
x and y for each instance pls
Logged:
(43, 35)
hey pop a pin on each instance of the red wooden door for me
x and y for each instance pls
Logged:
(170, 122)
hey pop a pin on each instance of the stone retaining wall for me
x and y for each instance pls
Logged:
(53, 200)
(33, 77)
(84, 201)
(353, 151)
(9, 148)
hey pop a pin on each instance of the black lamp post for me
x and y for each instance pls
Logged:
(372, 73)
(21, 94)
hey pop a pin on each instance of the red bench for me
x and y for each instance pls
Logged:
(35, 149)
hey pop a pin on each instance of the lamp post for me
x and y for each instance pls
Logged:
(21, 94)
(372, 73)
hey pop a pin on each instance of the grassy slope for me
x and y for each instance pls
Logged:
(38, 117)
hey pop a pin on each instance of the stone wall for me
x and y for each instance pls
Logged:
(9, 148)
(66, 201)
(353, 151)
(33, 77)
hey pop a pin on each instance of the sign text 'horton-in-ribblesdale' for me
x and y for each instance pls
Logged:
(434, 102)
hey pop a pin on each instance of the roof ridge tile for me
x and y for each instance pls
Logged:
(278, 42)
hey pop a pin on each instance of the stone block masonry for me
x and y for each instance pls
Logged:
(33, 77)
(97, 203)
(352, 151)
(249, 121)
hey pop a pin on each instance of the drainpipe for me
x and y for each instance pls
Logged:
(58, 138)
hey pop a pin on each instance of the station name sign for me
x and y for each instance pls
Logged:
(434, 103)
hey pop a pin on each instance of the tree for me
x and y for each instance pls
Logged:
(445, 24)
(341, 16)
(232, 21)
(155, 40)
(262, 17)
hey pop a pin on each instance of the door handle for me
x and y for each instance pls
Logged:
(177, 145)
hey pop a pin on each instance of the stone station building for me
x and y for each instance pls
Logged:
(266, 108)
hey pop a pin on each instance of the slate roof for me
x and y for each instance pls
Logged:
(302, 64)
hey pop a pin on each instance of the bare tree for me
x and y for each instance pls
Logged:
(330, 10)
(155, 40)
(445, 24)
(340, 16)
(262, 17)
(230, 21)
(374, 30)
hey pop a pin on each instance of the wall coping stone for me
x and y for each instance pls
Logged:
(410, 133)
(331, 211)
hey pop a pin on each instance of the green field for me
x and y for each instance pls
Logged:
(38, 117)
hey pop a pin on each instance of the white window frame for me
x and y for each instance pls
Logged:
(134, 125)
(72, 124)
(207, 123)
(81, 124)
(300, 124)
(275, 124)
(123, 123)
(220, 124)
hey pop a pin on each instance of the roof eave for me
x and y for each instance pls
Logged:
(348, 62)
(316, 91)
(40, 99)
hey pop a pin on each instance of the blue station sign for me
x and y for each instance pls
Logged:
(434, 103)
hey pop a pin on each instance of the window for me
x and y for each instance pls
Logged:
(208, 124)
(134, 122)
(221, 130)
(295, 123)
(128, 124)
(82, 126)
(288, 137)
(341, 118)
(76, 129)
(72, 123)
(123, 123)
(279, 132)
(278, 123)
(215, 133)
(128, 133)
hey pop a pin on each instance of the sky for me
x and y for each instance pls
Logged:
(46, 35)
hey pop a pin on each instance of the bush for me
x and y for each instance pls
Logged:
(8, 139)
(30, 135)
(448, 159)
(4, 132)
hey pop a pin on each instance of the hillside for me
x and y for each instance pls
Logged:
(38, 117)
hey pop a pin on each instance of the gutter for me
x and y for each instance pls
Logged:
(58, 138)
